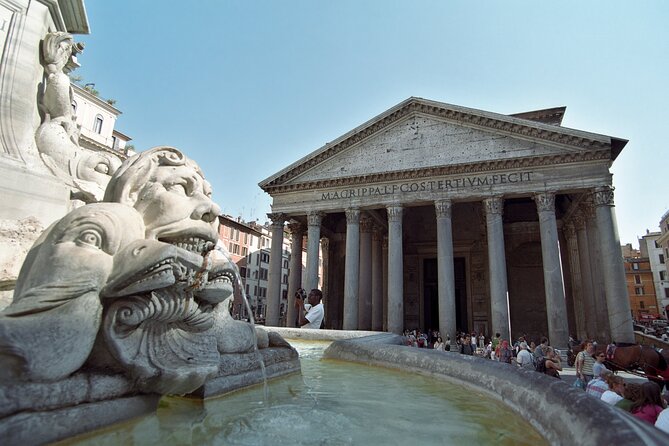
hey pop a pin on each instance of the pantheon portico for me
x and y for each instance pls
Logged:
(438, 216)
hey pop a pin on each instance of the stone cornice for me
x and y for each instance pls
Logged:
(469, 168)
(470, 117)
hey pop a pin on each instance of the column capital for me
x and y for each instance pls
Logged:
(494, 205)
(394, 212)
(603, 196)
(314, 218)
(278, 219)
(352, 215)
(366, 224)
(296, 228)
(443, 208)
(545, 201)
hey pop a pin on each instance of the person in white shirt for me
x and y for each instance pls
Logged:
(314, 316)
(525, 359)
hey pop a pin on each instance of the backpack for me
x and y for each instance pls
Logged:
(541, 365)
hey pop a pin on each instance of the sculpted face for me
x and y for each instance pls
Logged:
(171, 194)
(177, 207)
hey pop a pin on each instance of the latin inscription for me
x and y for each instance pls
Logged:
(430, 186)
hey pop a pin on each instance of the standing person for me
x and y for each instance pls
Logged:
(465, 345)
(496, 341)
(505, 352)
(314, 317)
(524, 359)
(584, 362)
(598, 367)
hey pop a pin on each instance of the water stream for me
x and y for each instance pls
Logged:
(331, 403)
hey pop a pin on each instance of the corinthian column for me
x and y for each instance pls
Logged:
(589, 308)
(395, 271)
(499, 302)
(576, 280)
(445, 268)
(295, 275)
(613, 270)
(365, 275)
(351, 269)
(556, 306)
(274, 275)
(377, 281)
(313, 242)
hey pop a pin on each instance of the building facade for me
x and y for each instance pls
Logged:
(662, 243)
(441, 216)
(640, 287)
(248, 245)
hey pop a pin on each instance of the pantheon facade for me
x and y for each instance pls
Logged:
(432, 215)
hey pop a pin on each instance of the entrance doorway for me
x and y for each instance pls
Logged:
(431, 294)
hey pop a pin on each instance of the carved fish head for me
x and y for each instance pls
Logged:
(148, 265)
(75, 254)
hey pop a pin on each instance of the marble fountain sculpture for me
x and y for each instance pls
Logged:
(85, 172)
(123, 301)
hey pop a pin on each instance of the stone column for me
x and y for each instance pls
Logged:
(377, 280)
(274, 275)
(499, 302)
(351, 269)
(556, 305)
(576, 280)
(395, 271)
(603, 334)
(295, 274)
(313, 242)
(365, 275)
(325, 253)
(384, 255)
(589, 309)
(613, 270)
(445, 269)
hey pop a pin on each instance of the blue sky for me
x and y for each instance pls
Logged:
(248, 87)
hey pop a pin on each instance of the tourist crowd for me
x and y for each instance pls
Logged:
(644, 401)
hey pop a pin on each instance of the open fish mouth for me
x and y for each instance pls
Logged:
(190, 243)
(220, 282)
(147, 265)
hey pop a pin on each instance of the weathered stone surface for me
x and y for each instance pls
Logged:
(30, 428)
(48, 331)
(243, 370)
(563, 414)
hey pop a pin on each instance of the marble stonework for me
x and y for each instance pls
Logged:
(512, 184)
(43, 171)
(130, 292)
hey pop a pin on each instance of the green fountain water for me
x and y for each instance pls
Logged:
(332, 403)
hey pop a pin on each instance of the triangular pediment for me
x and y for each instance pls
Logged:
(420, 135)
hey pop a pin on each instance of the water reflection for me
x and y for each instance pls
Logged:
(332, 403)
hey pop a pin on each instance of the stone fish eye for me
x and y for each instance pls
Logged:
(102, 168)
(90, 237)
